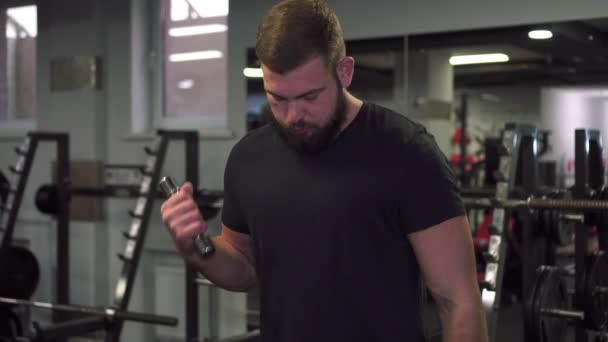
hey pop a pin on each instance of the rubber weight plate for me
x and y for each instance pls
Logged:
(19, 273)
(548, 292)
(596, 302)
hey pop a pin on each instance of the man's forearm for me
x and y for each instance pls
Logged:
(462, 321)
(227, 268)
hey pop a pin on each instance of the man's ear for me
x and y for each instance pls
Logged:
(345, 70)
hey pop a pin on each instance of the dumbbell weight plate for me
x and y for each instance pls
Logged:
(19, 272)
(548, 292)
(596, 303)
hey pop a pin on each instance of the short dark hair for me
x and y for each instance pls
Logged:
(294, 31)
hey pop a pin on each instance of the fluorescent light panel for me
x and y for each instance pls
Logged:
(197, 30)
(540, 34)
(479, 59)
(253, 72)
(185, 84)
(195, 56)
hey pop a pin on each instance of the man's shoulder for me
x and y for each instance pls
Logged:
(394, 125)
(256, 140)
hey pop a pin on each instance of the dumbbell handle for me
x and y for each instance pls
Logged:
(578, 315)
(202, 242)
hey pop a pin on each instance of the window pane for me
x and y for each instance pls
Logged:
(195, 63)
(18, 56)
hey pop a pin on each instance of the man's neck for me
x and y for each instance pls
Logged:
(353, 105)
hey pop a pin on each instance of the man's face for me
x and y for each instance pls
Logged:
(307, 103)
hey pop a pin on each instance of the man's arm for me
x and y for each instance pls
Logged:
(446, 258)
(231, 265)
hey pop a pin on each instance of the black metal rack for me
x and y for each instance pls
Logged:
(588, 177)
(517, 149)
(141, 216)
(27, 153)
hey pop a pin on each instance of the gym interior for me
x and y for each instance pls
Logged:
(99, 99)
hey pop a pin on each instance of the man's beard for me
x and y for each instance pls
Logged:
(317, 138)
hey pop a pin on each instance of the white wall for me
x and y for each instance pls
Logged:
(565, 109)
(489, 109)
(99, 120)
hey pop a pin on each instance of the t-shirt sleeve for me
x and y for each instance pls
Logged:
(232, 214)
(430, 188)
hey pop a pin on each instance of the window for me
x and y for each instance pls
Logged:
(18, 63)
(194, 64)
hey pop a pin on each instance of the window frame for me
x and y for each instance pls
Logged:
(11, 127)
(148, 114)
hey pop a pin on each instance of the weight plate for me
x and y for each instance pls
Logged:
(548, 292)
(19, 273)
(596, 302)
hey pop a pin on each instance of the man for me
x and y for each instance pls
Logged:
(336, 208)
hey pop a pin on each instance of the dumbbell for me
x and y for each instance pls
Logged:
(202, 242)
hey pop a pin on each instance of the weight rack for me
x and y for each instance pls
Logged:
(22, 168)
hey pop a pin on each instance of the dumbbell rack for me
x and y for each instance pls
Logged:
(26, 153)
(510, 159)
(141, 214)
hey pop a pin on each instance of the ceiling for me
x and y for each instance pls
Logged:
(577, 54)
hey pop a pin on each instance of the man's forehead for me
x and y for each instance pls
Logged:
(292, 85)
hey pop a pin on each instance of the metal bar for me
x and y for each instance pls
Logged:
(253, 335)
(581, 172)
(537, 203)
(203, 282)
(62, 331)
(580, 218)
(600, 289)
(133, 192)
(7, 238)
(478, 192)
(191, 167)
(97, 311)
(569, 314)
(463, 134)
(124, 285)
(63, 224)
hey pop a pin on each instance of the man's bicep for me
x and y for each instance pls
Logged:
(446, 259)
(239, 241)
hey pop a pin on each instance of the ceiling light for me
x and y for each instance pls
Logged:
(185, 84)
(196, 30)
(540, 34)
(478, 59)
(253, 72)
(195, 56)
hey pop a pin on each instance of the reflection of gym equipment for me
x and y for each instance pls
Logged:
(109, 319)
(547, 308)
(519, 195)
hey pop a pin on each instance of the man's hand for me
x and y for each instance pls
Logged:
(184, 221)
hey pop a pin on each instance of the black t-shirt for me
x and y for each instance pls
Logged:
(330, 230)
